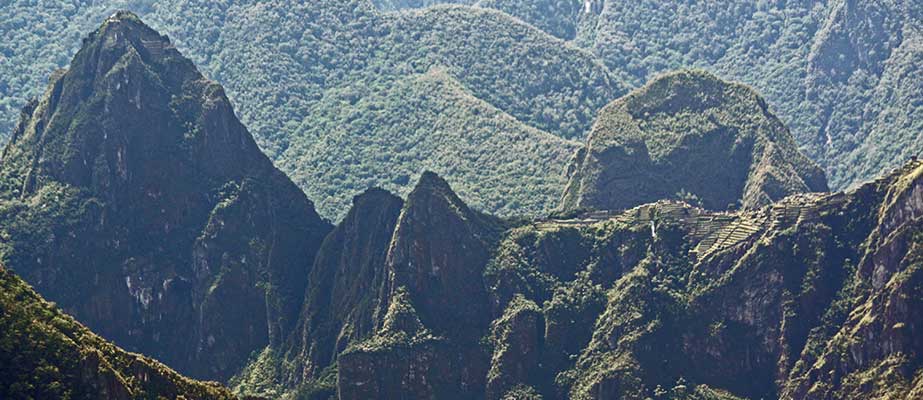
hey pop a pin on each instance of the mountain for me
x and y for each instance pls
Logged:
(456, 90)
(843, 75)
(780, 302)
(692, 135)
(394, 276)
(840, 74)
(662, 301)
(46, 354)
(391, 94)
(133, 197)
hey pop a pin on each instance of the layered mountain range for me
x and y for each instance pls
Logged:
(133, 197)
(345, 95)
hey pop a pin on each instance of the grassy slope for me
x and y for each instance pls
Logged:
(45, 353)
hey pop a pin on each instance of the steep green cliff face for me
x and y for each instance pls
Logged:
(397, 289)
(345, 284)
(778, 302)
(689, 134)
(815, 296)
(133, 197)
(46, 354)
(434, 271)
(863, 80)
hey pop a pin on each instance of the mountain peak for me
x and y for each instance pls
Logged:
(692, 136)
(124, 31)
(175, 199)
(431, 181)
(123, 15)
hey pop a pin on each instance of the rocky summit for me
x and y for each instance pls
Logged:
(135, 200)
(689, 136)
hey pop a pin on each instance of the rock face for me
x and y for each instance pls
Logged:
(517, 338)
(805, 299)
(396, 304)
(46, 354)
(135, 199)
(688, 134)
(438, 252)
(437, 255)
(816, 296)
(345, 284)
(403, 360)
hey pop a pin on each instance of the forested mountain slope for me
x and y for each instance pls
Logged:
(662, 301)
(46, 354)
(309, 74)
(843, 75)
(133, 197)
(840, 73)
(689, 135)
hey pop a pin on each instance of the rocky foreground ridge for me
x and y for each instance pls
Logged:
(813, 297)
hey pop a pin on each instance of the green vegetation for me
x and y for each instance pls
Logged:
(838, 73)
(304, 95)
(133, 197)
(46, 354)
(689, 132)
(843, 76)
(367, 98)
(598, 307)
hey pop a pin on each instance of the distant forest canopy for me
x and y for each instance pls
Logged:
(340, 93)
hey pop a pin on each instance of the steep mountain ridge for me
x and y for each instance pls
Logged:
(843, 75)
(176, 209)
(46, 354)
(298, 93)
(399, 280)
(663, 300)
(688, 134)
